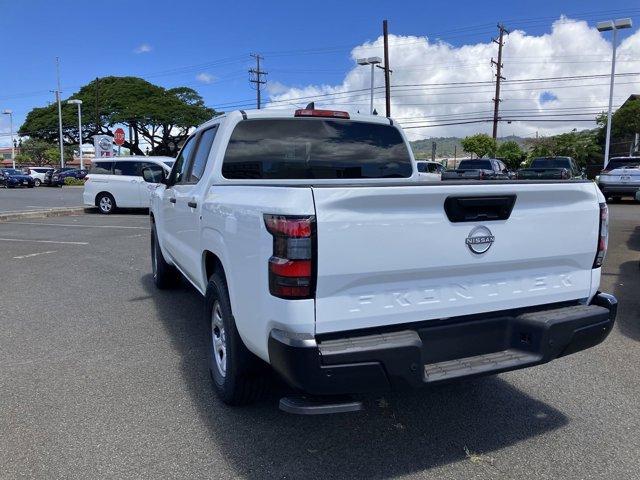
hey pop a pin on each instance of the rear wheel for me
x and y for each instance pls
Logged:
(106, 203)
(37, 182)
(164, 275)
(239, 377)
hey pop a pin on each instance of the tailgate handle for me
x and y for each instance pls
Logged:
(473, 209)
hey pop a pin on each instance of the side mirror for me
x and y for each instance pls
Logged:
(152, 175)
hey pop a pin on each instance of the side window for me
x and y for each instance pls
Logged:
(156, 170)
(202, 154)
(126, 168)
(431, 167)
(101, 168)
(181, 166)
(422, 167)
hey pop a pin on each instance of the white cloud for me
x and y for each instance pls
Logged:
(572, 48)
(143, 48)
(205, 77)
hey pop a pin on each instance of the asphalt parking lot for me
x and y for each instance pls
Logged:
(22, 199)
(105, 377)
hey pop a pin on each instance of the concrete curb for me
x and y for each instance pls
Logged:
(45, 213)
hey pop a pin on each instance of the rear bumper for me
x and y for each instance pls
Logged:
(439, 351)
(620, 188)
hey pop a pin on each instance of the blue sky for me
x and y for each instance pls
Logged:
(190, 43)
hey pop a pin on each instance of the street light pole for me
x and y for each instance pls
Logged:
(13, 145)
(59, 114)
(74, 101)
(613, 25)
(373, 61)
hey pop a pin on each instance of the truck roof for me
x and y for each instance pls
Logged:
(267, 113)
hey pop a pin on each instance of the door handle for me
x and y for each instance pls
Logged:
(172, 200)
(192, 204)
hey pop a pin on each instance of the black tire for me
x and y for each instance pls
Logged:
(244, 377)
(165, 276)
(37, 182)
(106, 203)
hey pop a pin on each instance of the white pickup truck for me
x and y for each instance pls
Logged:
(321, 253)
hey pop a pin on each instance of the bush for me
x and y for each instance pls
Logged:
(73, 181)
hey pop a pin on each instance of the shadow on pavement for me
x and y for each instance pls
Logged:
(633, 242)
(626, 291)
(397, 434)
(120, 211)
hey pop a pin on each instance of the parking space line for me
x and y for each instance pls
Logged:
(42, 241)
(75, 225)
(34, 254)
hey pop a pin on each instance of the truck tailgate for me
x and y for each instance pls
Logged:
(390, 254)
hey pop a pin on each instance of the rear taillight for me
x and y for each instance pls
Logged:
(292, 267)
(603, 236)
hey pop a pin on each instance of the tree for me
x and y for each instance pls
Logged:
(53, 154)
(581, 146)
(480, 144)
(37, 152)
(624, 125)
(625, 121)
(161, 117)
(511, 152)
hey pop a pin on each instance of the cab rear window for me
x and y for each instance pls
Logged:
(312, 148)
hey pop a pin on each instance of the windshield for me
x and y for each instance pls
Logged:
(315, 148)
(550, 163)
(169, 163)
(475, 165)
(12, 171)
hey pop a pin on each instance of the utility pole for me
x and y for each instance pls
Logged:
(256, 77)
(387, 83)
(499, 77)
(59, 114)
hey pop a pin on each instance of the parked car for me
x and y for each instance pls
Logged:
(620, 178)
(12, 178)
(37, 173)
(551, 168)
(305, 233)
(118, 182)
(52, 177)
(479, 169)
(429, 170)
(76, 173)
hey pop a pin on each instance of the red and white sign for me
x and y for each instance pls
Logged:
(118, 136)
